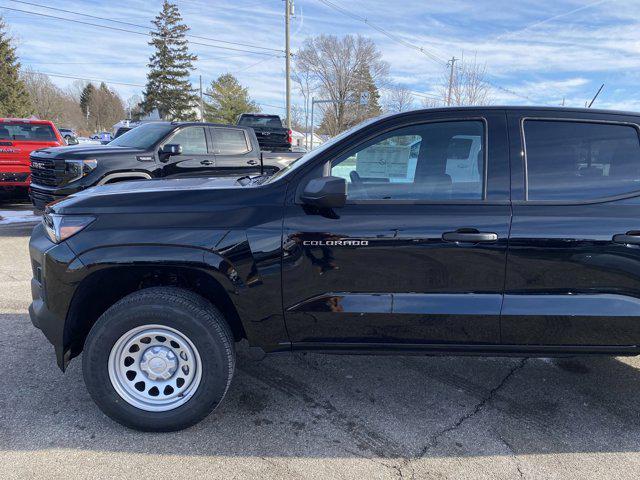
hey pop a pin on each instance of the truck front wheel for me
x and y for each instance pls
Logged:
(160, 359)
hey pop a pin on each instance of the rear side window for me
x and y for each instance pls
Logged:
(26, 132)
(230, 141)
(272, 121)
(574, 161)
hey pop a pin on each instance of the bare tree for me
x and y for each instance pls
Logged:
(339, 69)
(399, 100)
(303, 80)
(469, 85)
(50, 102)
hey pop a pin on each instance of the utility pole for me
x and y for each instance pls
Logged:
(288, 11)
(201, 102)
(452, 62)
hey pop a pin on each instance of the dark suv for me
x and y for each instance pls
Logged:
(488, 231)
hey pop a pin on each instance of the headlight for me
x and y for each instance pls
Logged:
(61, 227)
(76, 169)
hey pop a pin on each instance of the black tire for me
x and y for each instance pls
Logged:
(191, 315)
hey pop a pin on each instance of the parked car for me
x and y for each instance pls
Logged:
(484, 231)
(68, 134)
(152, 150)
(272, 135)
(18, 138)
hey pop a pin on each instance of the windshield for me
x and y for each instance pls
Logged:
(307, 157)
(27, 132)
(144, 136)
(261, 121)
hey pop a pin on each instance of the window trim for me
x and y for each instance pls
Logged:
(247, 142)
(482, 201)
(523, 155)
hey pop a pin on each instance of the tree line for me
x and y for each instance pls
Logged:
(348, 73)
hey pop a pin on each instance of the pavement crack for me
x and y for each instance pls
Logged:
(484, 401)
(513, 455)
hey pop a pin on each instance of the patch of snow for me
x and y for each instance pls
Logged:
(10, 217)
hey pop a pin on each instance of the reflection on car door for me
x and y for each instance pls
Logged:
(417, 256)
(196, 159)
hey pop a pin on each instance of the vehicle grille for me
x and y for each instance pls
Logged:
(43, 172)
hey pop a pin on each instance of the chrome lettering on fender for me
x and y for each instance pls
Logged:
(336, 243)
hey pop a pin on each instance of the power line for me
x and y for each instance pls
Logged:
(117, 29)
(109, 82)
(430, 55)
(141, 26)
(386, 33)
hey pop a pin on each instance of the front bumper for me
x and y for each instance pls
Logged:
(52, 288)
(14, 179)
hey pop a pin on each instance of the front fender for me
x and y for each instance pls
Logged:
(250, 279)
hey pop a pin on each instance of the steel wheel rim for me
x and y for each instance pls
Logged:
(155, 368)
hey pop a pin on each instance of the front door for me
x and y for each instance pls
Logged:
(573, 274)
(417, 255)
(197, 158)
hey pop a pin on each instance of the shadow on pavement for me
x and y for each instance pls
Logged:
(313, 405)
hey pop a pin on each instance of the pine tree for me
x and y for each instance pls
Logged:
(14, 99)
(228, 99)
(168, 88)
(368, 94)
(86, 98)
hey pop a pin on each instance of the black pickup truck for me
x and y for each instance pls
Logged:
(151, 150)
(272, 135)
(484, 231)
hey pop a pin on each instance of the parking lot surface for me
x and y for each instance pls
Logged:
(320, 417)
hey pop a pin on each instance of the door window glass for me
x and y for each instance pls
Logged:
(230, 141)
(192, 139)
(570, 160)
(431, 161)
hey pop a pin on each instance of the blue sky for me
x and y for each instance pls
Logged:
(542, 50)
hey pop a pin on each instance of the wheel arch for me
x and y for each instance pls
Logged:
(106, 285)
(123, 177)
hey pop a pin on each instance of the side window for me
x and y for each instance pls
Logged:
(572, 160)
(430, 161)
(192, 139)
(230, 141)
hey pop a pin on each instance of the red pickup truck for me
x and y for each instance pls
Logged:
(18, 138)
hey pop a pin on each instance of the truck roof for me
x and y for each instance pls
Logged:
(27, 120)
(521, 108)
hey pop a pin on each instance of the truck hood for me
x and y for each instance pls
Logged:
(86, 151)
(161, 185)
(162, 196)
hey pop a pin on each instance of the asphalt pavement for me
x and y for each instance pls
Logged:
(322, 417)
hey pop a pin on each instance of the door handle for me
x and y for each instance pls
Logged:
(252, 162)
(469, 235)
(630, 238)
(206, 162)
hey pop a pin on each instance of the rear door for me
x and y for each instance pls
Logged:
(197, 158)
(573, 270)
(234, 153)
(416, 257)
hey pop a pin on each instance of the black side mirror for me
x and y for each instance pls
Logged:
(72, 141)
(325, 192)
(171, 149)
